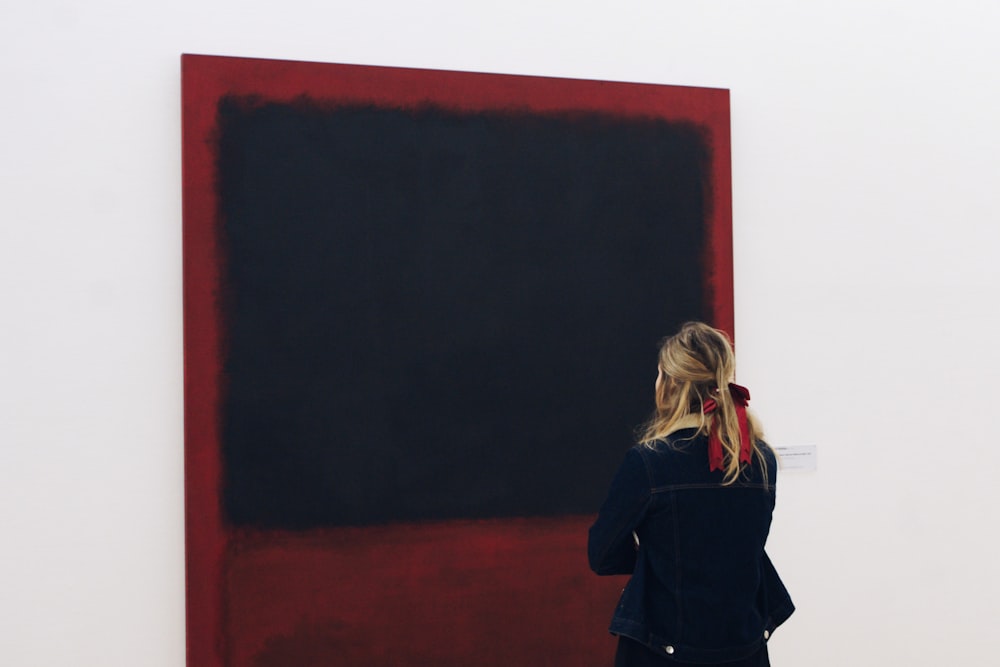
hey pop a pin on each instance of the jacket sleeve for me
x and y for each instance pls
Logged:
(610, 546)
(779, 602)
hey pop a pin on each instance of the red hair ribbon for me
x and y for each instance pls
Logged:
(741, 396)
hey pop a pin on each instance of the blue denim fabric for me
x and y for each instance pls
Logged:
(702, 589)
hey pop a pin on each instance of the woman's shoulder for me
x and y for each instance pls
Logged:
(677, 450)
(769, 454)
(678, 441)
(682, 457)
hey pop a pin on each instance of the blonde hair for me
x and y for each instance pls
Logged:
(698, 364)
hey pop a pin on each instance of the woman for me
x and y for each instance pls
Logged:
(687, 516)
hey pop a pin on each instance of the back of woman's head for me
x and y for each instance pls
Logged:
(698, 358)
(696, 367)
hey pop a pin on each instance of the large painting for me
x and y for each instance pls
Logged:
(422, 311)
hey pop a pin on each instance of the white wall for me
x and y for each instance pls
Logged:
(865, 146)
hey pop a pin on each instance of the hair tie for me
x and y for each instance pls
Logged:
(741, 396)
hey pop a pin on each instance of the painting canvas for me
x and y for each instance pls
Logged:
(422, 311)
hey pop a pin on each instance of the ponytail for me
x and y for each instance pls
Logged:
(699, 365)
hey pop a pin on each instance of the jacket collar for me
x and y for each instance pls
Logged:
(687, 421)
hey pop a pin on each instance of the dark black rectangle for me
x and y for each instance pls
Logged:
(431, 314)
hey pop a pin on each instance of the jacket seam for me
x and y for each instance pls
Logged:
(646, 467)
(677, 567)
(706, 485)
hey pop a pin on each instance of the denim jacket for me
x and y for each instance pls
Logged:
(702, 588)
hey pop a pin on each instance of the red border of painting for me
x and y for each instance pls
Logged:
(205, 79)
